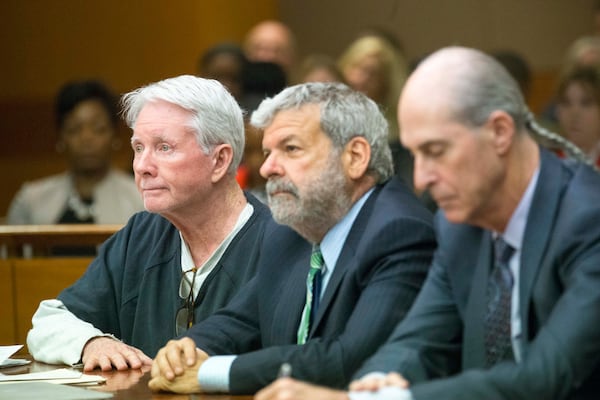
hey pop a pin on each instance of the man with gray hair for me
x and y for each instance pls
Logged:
(511, 306)
(177, 262)
(333, 280)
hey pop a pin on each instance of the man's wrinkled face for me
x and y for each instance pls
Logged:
(306, 183)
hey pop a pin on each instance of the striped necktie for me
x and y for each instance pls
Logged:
(313, 291)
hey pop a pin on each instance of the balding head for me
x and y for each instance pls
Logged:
(271, 41)
(468, 84)
(463, 117)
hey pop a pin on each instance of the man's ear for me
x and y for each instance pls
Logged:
(356, 157)
(503, 130)
(222, 159)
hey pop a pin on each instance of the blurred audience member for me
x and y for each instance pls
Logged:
(271, 41)
(319, 68)
(252, 161)
(376, 68)
(90, 191)
(261, 79)
(517, 67)
(584, 51)
(578, 109)
(224, 62)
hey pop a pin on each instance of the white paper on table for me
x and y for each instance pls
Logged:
(60, 376)
(6, 352)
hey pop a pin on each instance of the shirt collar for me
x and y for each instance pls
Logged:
(332, 243)
(515, 230)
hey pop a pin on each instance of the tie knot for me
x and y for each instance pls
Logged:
(502, 250)
(316, 258)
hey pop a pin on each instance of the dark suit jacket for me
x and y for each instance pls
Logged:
(379, 272)
(131, 288)
(559, 303)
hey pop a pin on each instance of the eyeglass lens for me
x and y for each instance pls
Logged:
(184, 318)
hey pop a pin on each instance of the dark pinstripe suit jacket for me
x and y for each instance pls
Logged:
(378, 274)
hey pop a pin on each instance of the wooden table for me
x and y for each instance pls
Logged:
(124, 385)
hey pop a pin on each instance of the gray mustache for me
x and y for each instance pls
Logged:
(278, 185)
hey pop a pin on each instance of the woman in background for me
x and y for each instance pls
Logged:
(90, 191)
(319, 68)
(374, 66)
(578, 109)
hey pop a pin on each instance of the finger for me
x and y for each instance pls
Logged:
(144, 359)
(89, 364)
(154, 370)
(104, 363)
(156, 384)
(272, 391)
(395, 379)
(134, 357)
(161, 365)
(266, 393)
(189, 351)
(174, 354)
(367, 384)
(119, 361)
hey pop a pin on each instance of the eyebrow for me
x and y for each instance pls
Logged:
(426, 146)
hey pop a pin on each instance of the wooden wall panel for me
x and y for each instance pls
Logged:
(7, 304)
(39, 279)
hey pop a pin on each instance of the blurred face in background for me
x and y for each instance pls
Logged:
(366, 75)
(227, 69)
(87, 137)
(270, 41)
(579, 115)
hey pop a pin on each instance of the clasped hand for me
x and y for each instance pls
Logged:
(175, 368)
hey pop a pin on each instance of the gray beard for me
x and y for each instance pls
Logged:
(320, 205)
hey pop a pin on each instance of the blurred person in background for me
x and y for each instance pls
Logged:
(224, 62)
(271, 41)
(319, 68)
(376, 68)
(375, 65)
(91, 190)
(583, 52)
(517, 67)
(578, 110)
(260, 79)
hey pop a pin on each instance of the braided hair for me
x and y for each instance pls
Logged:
(561, 142)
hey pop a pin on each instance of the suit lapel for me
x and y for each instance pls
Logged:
(473, 341)
(347, 259)
(537, 231)
(295, 293)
